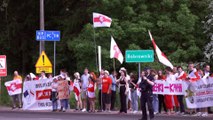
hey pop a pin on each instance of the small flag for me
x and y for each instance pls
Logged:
(115, 51)
(26, 93)
(100, 20)
(161, 56)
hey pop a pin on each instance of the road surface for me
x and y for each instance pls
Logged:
(45, 115)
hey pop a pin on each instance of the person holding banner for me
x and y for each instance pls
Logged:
(43, 75)
(63, 92)
(16, 97)
(145, 85)
(161, 97)
(168, 98)
(207, 74)
(193, 76)
(181, 75)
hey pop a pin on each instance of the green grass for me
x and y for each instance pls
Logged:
(4, 97)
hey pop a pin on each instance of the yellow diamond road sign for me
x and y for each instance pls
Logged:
(43, 64)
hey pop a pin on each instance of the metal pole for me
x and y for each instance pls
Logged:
(42, 44)
(96, 64)
(99, 58)
(54, 56)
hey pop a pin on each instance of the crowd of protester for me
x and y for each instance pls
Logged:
(132, 90)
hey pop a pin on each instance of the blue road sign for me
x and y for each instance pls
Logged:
(47, 35)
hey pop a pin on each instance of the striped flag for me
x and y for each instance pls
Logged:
(115, 51)
(100, 20)
(161, 56)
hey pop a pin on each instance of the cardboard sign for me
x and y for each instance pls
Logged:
(63, 90)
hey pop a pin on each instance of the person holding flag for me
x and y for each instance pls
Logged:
(17, 96)
(77, 91)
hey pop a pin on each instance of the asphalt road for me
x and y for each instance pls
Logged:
(27, 115)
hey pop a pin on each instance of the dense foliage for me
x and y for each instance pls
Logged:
(176, 26)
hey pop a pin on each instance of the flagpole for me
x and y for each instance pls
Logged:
(114, 64)
(96, 64)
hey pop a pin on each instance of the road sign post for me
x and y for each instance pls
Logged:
(138, 56)
(46, 35)
(3, 66)
(43, 64)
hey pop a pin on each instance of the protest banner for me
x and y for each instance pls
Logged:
(199, 94)
(169, 88)
(36, 95)
(14, 87)
(63, 90)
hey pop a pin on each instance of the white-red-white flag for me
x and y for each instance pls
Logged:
(115, 51)
(14, 87)
(161, 56)
(100, 20)
(75, 87)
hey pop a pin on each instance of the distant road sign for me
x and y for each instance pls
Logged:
(139, 56)
(3, 66)
(43, 35)
(43, 64)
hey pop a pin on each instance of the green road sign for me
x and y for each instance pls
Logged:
(136, 56)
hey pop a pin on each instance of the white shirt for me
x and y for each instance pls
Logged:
(54, 86)
(170, 77)
(41, 78)
(85, 81)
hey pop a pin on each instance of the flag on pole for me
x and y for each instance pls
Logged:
(161, 56)
(115, 51)
(100, 20)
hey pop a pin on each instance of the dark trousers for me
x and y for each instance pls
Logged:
(123, 99)
(180, 100)
(88, 104)
(100, 99)
(147, 97)
(113, 98)
(209, 110)
(161, 103)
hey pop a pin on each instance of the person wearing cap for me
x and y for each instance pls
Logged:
(106, 90)
(123, 84)
(145, 86)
